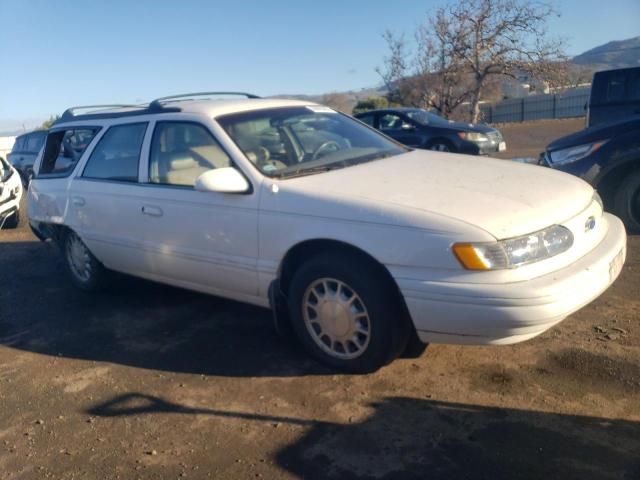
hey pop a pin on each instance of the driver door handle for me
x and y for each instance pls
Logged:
(151, 211)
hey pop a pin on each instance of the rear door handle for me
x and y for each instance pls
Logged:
(152, 211)
(78, 201)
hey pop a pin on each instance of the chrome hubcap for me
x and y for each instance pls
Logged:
(79, 258)
(336, 318)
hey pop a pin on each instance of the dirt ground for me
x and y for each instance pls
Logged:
(147, 381)
(528, 139)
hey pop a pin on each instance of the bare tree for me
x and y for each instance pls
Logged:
(395, 66)
(463, 47)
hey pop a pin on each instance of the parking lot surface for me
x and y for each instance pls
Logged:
(148, 381)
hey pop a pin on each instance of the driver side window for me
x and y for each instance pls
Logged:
(390, 122)
(181, 152)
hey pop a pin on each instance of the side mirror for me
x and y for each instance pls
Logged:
(222, 180)
(407, 126)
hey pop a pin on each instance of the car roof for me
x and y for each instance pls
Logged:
(207, 107)
(26, 134)
(383, 110)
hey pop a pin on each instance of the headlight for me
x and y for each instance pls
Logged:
(514, 252)
(572, 154)
(473, 136)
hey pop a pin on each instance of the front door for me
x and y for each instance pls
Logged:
(202, 240)
(400, 128)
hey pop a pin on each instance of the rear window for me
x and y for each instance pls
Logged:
(63, 149)
(616, 86)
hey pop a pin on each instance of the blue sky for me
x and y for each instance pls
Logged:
(68, 52)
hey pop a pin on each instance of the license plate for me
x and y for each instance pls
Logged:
(502, 146)
(616, 265)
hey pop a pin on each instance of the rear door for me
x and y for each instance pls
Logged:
(105, 198)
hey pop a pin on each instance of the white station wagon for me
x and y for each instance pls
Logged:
(360, 245)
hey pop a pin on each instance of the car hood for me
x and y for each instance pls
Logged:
(471, 127)
(594, 134)
(503, 198)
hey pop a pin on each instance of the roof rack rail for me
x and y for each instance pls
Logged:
(69, 113)
(158, 101)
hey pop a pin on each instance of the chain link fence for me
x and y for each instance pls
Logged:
(536, 107)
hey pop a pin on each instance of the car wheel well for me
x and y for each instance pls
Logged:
(54, 232)
(437, 140)
(299, 253)
(608, 184)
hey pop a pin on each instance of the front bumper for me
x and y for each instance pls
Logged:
(514, 312)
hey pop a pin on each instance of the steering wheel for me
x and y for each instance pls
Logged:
(326, 147)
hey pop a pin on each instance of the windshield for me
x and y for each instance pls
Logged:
(427, 118)
(291, 141)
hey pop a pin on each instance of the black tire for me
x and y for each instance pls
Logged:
(415, 348)
(13, 221)
(626, 202)
(96, 277)
(441, 145)
(388, 324)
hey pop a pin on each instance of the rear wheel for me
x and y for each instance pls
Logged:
(627, 202)
(346, 313)
(86, 272)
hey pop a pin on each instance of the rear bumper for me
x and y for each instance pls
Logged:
(513, 312)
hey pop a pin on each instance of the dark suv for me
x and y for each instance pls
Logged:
(24, 153)
(608, 157)
(615, 95)
(421, 129)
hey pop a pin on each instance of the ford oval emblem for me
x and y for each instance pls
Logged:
(590, 224)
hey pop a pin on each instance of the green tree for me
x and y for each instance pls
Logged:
(370, 103)
(46, 125)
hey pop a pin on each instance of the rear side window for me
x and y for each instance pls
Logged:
(63, 149)
(117, 154)
(18, 145)
(34, 142)
(181, 152)
(368, 119)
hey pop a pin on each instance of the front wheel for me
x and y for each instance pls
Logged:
(627, 202)
(440, 145)
(86, 272)
(346, 314)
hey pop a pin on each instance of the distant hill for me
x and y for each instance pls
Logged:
(616, 54)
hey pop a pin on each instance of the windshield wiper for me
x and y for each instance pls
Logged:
(310, 171)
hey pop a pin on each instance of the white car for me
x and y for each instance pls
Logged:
(359, 244)
(10, 195)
